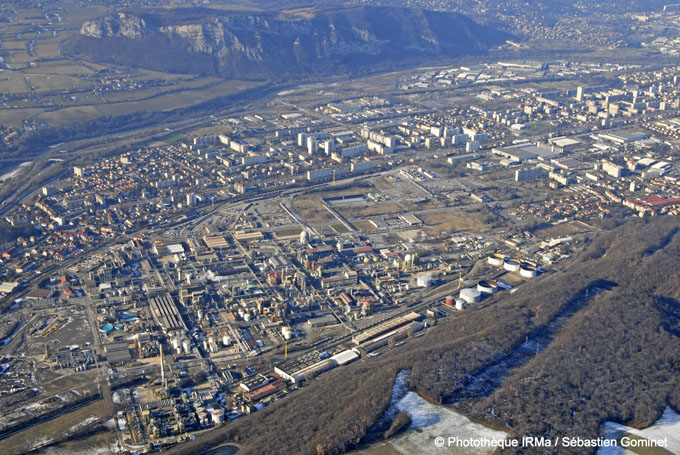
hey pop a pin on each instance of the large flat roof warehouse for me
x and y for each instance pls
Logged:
(565, 142)
(7, 287)
(166, 314)
(174, 248)
(345, 357)
(623, 137)
(247, 236)
(117, 352)
(295, 369)
(524, 152)
(386, 327)
(215, 241)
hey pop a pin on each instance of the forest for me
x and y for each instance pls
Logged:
(612, 319)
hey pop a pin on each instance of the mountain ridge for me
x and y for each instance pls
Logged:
(273, 45)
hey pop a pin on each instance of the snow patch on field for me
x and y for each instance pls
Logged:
(668, 426)
(113, 449)
(430, 421)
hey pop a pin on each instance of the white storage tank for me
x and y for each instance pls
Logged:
(217, 416)
(487, 287)
(511, 265)
(226, 340)
(496, 260)
(424, 280)
(303, 237)
(187, 346)
(177, 345)
(460, 304)
(286, 332)
(528, 271)
(470, 295)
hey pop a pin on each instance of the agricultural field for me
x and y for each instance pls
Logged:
(40, 85)
(83, 420)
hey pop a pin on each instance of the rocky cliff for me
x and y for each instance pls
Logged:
(274, 46)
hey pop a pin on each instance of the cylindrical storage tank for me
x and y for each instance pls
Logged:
(511, 265)
(460, 304)
(487, 287)
(471, 295)
(424, 280)
(226, 340)
(528, 271)
(217, 416)
(496, 260)
(176, 343)
(211, 339)
(246, 317)
(408, 260)
(450, 300)
(187, 346)
(286, 333)
(303, 237)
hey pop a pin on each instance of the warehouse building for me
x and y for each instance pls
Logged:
(117, 353)
(523, 152)
(165, 313)
(401, 322)
(303, 367)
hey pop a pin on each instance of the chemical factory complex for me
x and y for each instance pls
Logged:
(189, 283)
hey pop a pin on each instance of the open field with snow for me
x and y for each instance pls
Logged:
(430, 421)
(668, 426)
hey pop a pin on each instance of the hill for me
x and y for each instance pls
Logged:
(275, 45)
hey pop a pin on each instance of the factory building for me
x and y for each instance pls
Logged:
(303, 367)
(401, 322)
(165, 313)
(117, 353)
(255, 382)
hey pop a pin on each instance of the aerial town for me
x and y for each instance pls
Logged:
(193, 281)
